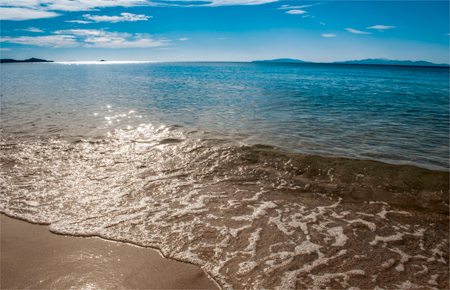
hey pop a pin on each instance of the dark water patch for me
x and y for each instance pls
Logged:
(405, 186)
(170, 141)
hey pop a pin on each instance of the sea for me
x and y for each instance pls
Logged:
(265, 175)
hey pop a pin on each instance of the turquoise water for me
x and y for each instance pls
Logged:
(393, 114)
(267, 176)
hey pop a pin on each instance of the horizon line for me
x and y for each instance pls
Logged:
(293, 61)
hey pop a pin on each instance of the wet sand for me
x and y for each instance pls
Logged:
(34, 258)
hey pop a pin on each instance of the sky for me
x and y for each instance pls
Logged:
(224, 30)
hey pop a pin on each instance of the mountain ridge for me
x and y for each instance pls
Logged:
(10, 60)
(368, 61)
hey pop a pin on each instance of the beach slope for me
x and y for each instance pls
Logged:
(34, 258)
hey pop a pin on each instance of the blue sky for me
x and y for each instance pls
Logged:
(224, 30)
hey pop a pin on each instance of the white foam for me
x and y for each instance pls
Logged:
(393, 238)
(404, 257)
(281, 226)
(338, 234)
(258, 212)
(424, 270)
(307, 248)
(246, 267)
(179, 199)
(370, 225)
(254, 238)
(320, 281)
(433, 279)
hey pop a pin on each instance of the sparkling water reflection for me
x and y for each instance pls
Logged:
(393, 114)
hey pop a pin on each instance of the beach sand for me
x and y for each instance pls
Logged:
(34, 258)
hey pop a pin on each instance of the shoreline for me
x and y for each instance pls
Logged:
(34, 258)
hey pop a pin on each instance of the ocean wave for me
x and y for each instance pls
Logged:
(252, 216)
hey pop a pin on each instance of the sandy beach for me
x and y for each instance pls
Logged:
(34, 258)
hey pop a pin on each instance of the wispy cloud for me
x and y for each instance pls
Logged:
(20, 13)
(125, 17)
(83, 5)
(5, 49)
(183, 39)
(329, 35)
(83, 32)
(33, 29)
(381, 27)
(106, 39)
(80, 21)
(357, 31)
(35, 9)
(89, 38)
(119, 42)
(234, 2)
(294, 7)
(297, 11)
(55, 41)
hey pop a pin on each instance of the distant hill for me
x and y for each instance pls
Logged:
(8, 60)
(283, 60)
(380, 61)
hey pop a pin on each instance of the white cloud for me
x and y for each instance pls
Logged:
(322, 23)
(183, 39)
(82, 32)
(80, 21)
(55, 41)
(36, 9)
(380, 27)
(107, 42)
(20, 3)
(19, 13)
(84, 5)
(293, 7)
(126, 17)
(329, 35)
(89, 38)
(105, 39)
(235, 2)
(296, 11)
(357, 31)
(33, 29)
(4, 49)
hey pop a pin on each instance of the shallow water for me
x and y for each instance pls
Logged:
(199, 169)
(397, 115)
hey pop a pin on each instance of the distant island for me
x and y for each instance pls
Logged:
(369, 61)
(381, 61)
(283, 60)
(8, 60)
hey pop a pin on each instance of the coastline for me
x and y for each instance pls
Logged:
(34, 258)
